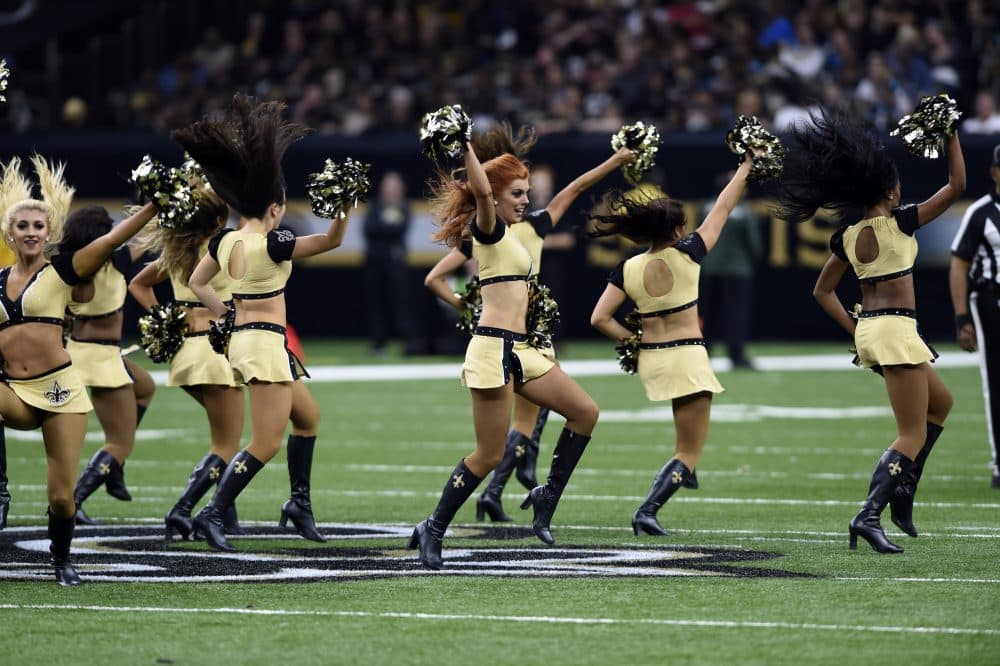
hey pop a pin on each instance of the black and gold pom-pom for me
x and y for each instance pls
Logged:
(543, 314)
(471, 306)
(628, 349)
(444, 132)
(193, 172)
(221, 330)
(749, 135)
(4, 74)
(162, 332)
(644, 141)
(338, 187)
(924, 131)
(168, 188)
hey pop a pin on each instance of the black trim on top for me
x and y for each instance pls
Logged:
(98, 341)
(55, 321)
(887, 276)
(679, 308)
(256, 297)
(501, 278)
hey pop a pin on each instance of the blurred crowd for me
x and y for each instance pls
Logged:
(357, 66)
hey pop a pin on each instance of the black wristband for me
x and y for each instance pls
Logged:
(961, 320)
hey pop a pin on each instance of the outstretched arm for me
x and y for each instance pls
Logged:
(436, 280)
(92, 256)
(141, 286)
(943, 198)
(564, 199)
(825, 292)
(200, 285)
(711, 228)
(307, 246)
(603, 317)
(479, 186)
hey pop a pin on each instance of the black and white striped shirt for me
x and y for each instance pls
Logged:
(978, 241)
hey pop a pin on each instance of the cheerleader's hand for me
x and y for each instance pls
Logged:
(625, 156)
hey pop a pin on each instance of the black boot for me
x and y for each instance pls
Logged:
(545, 499)
(889, 472)
(901, 502)
(61, 535)
(527, 459)
(94, 475)
(231, 521)
(298, 507)
(209, 521)
(490, 502)
(670, 477)
(4, 493)
(204, 475)
(115, 483)
(429, 533)
(691, 482)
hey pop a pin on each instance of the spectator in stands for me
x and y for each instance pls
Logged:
(986, 119)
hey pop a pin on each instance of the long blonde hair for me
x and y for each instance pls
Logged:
(180, 248)
(15, 196)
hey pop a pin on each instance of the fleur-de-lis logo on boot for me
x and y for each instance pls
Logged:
(676, 477)
(895, 468)
(57, 395)
(519, 450)
(240, 467)
(458, 481)
(214, 473)
(104, 469)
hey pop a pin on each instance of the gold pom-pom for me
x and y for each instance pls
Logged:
(924, 131)
(471, 306)
(543, 314)
(162, 332)
(221, 330)
(644, 141)
(628, 349)
(169, 189)
(444, 132)
(4, 75)
(768, 153)
(338, 187)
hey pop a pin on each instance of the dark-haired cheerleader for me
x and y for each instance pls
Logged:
(41, 388)
(673, 363)
(834, 162)
(240, 154)
(521, 451)
(119, 389)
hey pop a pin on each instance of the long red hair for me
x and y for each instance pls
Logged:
(453, 206)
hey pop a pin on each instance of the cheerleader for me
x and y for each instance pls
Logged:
(837, 163)
(41, 388)
(240, 154)
(673, 362)
(521, 449)
(498, 361)
(203, 374)
(120, 390)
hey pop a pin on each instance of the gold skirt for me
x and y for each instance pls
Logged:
(258, 351)
(197, 364)
(890, 340)
(494, 354)
(60, 390)
(676, 371)
(99, 364)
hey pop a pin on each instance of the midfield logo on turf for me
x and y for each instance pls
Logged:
(358, 552)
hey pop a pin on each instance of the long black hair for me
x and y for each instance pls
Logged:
(833, 162)
(240, 152)
(644, 221)
(83, 226)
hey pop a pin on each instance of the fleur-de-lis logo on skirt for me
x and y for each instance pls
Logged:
(458, 481)
(57, 395)
(677, 477)
(895, 468)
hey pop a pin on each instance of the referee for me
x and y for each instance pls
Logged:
(974, 280)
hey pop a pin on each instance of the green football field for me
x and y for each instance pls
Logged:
(756, 569)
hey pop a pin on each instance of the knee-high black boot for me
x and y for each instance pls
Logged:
(429, 534)
(901, 502)
(61, 535)
(670, 477)
(210, 520)
(490, 502)
(115, 483)
(94, 475)
(4, 493)
(204, 475)
(298, 507)
(889, 473)
(527, 457)
(545, 499)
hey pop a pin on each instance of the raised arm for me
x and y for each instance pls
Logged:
(564, 199)
(141, 286)
(940, 200)
(731, 194)
(958, 285)
(479, 187)
(436, 280)
(313, 244)
(825, 292)
(603, 316)
(200, 285)
(92, 256)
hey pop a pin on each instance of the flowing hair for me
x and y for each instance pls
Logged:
(644, 221)
(84, 225)
(240, 152)
(453, 205)
(500, 139)
(180, 248)
(15, 196)
(833, 162)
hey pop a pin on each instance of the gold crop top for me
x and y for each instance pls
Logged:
(897, 248)
(109, 288)
(45, 296)
(531, 232)
(183, 294)
(268, 259)
(501, 255)
(683, 258)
